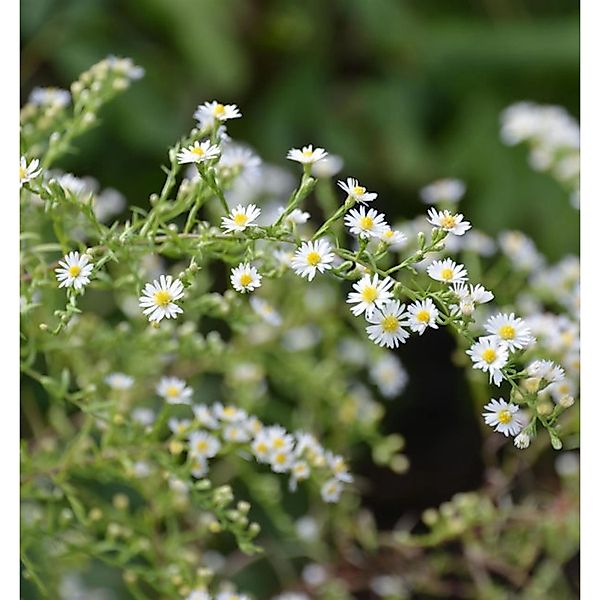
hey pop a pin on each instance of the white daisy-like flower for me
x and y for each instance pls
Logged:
(331, 490)
(447, 271)
(203, 444)
(365, 223)
(443, 190)
(546, 369)
(229, 413)
(394, 238)
(174, 390)
(119, 381)
(199, 152)
(231, 596)
(469, 296)
(281, 460)
(245, 278)
(264, 310)
(339, 467)
(30, 171)
(490, 355)
(235, 432)
(74, 270)
(296, 217)
(513, 331)
(387, 325)
(423, 314)
(356, 191)
(212, 113)
(448, 222)
(370, 294)
(199, 466)
(198, 595)
(158, 299)
(179, 426)
(388, 374)
(505, 417)
(312, 257)
(240, 218)
(307, 156)
(204, 416)
(143, 415)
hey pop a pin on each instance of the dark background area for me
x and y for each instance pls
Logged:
(406, 92)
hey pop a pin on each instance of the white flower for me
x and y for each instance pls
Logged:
(356, 191)
(198, 595)
(235, 432)
(210, 114)
(203, 444)
(198, 153)
(265, 311)
(423, 314)
(370, 294)
(389, 375)
(312, 257)
(328, 167)
(27, 172)
(339, 467)
(281, 460)
(331, 490)
(240, 218)
(119, 381)
(366, 223)
(179, 426)
(231, 596)
(144, 416)
(469, 296)
(505, 417)
(443, 190)
(296, 217)
(74, 270)
(388, 322)
(245, 278)
(204, 416)
(546, 369)
(448, 222)
(50, 96)
(510, 329)
(522, 441)
(394, 238)
(447, 271)
(300, 471)
(174, 390)
(490, 355)
(158, 299)
(307, 156)
(229, 414)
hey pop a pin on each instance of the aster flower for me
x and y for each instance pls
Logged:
(505, 417)
(387, 325)
(366, 223)
(394, 238)
(30, 171)
(546, 369)
(264, 310)
(306, 156)
(522, 441)
(203, 444)
(423, 314)
(212, 113)
(443, 190)
(199, 152)
(245, 278)
(174, 390)
(490, 355)
(448, 222)
(356, 191)
(312, 257)
(119, 381)
(331, 490)
(158, 299)
(50, 96)
(512, 330)
(370, 294)
(74, 270)
(447, 271)
(240, 218)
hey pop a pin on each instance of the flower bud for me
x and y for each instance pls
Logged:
(567, 401)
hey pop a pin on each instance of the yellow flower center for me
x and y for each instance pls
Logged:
(201, 445)
(229, 411)
(388, 234)
(505, 416)
(447, 274)
(261, 448)
(313, 258)
(507, 332)
(307, 153)
(219, 110)
(489, 355)
(162, 298)
(172, 391)
(240, 219)
(423, 316)
(198, 151)
(74, 270)
(280, 458)
(448, 221)
(278, 442)
(389, 324)
(366, 222)
(22, 173)
(370, 293)
(358, 190)
(245, 279)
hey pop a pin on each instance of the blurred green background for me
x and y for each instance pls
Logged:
(405, 91)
